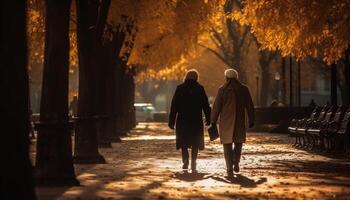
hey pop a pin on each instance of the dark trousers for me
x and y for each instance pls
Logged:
(232, 156)
(185, 155)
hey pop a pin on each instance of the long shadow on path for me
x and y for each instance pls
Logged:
(241, 180)
(191, 177)
(238, 179)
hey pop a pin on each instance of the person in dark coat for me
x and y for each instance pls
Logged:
(187, 106)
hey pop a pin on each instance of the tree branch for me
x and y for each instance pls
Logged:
(218, 37)
(102, 18)
(231, 31)
(217, 54)
(244, 35)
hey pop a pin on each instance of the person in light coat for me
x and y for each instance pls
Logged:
(231, 104)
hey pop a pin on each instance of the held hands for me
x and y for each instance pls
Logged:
(207, 123)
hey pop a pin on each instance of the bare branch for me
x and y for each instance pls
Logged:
(217, 54)
(215, 42)
(218, 38)
(231, 30)
(244, 35)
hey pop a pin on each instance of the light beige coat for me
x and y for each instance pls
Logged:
(231, 104)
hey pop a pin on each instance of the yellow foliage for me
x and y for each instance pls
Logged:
(318, 28)
(175, 72)
(167, 31)
(36, 35)
(35, 31)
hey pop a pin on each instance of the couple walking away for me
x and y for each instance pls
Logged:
(231, 104)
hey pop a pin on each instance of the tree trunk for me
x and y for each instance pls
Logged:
(104, 137)
(110, 85)
(17, 176)
(133, 111)
(127, 101)
(113, 107)
(118, 103)
(291, 82)
(236, 38)
(54, 164)
(130, 98)
(118, 41)
(299, 84)
(346, 82)
(123, 100)
(334, 88)
(109, 99)
(102, 67)
(265, 85)
(237, 63)
(264, 62)
(346, 101)
(89, 32)
(284, 81)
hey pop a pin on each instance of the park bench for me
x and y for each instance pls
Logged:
(327, 128)
(309, 139)
(317, 128)
(297, 123)
(324, 129)
(306, 124)
(337, 132)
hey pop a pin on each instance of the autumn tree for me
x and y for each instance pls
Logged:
(112, 50)
(344, 74)
(156, 26)
(230, 39)
(17, 178)
(54, 163)
(91, 20)
(163, 24)
(233, 42)
(301, 28)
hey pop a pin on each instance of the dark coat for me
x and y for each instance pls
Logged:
(187, 105)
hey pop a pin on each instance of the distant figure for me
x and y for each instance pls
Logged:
(312, 104)
(73, 106)
(274, 103)
(187, 105)
(31, 125)
(231, 103)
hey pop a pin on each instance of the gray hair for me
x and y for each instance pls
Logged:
(231, 73)
(192, 74)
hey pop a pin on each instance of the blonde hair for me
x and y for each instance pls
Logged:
(192, 74)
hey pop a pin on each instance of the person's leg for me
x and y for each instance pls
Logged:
(185, 158)
(237, 155)
(228, 153)
(194, 158)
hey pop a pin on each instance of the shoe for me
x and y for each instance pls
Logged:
(236, 168)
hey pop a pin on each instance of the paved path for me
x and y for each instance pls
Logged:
(147, 166)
